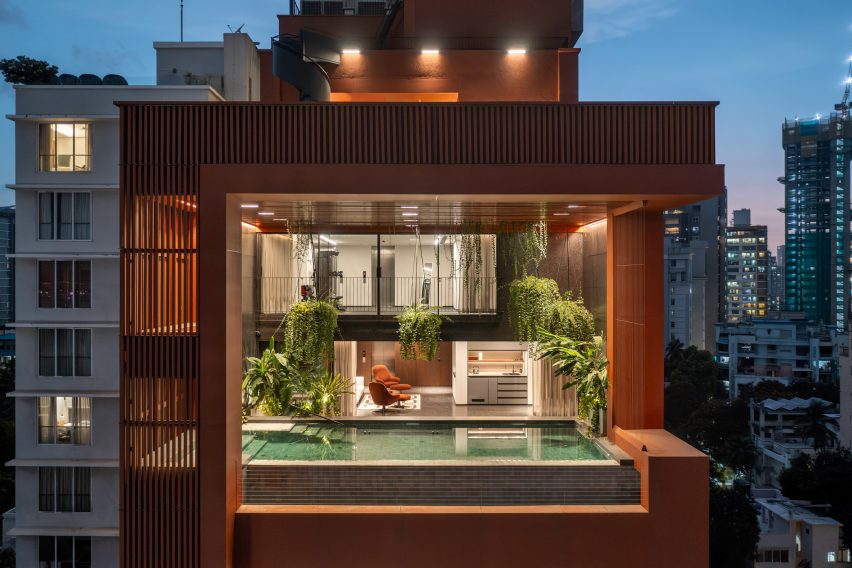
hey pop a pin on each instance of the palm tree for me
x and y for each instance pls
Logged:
(814, 425)
(674, 350)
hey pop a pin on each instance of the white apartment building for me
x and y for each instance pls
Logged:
(781, 346)
(773, 428)
(794, 533)
(67, 304)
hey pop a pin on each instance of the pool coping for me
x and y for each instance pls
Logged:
(617, 456)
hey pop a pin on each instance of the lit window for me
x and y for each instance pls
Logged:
(64, 420)
(64, 147)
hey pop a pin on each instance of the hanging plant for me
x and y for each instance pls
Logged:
(309, 329)
(470, 256)
(531, 302)
(525, 244)
(569, 317)
(301, 233)
(419, 333)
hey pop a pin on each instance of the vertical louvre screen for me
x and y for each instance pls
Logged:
(160, 385)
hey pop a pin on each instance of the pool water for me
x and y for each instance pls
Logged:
(421, 441)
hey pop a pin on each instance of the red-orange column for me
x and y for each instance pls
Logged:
(635, 318)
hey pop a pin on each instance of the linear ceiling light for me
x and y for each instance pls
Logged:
(352, 51)
(266, 213)
(517, 51)
(249, 205)
(430, 51)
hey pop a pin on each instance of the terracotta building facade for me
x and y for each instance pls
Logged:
(448, 106)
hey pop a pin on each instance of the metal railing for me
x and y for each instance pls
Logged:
(338, 7)
(389, 295)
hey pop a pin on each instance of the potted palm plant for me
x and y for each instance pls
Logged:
(586, 366)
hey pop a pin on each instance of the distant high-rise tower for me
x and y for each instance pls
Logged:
(746, 268)
(816, 217)
(695, 276)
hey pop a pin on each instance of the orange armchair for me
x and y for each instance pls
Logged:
(382, 374)
(382, 396)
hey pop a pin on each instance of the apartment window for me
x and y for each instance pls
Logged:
(65, 352)
(64, 147)
(64, 216)
(64, 552)
(65, 489)
(64, 420)
(778, 556)
(65, 284)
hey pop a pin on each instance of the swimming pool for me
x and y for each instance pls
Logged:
(433, 441)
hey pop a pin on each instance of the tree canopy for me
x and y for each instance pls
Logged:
(734, 530)
(25, 70)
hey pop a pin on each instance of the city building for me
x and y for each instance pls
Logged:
(780, 277)
(780, 346)
(775, 283)
(695, 270)
(235, 213)
(67, 314)
(7, 283)
(845, 379)
(746, 268)
(796, 533)
(817, 153)
(773, 425)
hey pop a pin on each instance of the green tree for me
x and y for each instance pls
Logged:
(27, 71)
(815, 425)
(734, 530)
(823, 479)
(802, 389)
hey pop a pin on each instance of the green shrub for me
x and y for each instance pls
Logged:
(419, 333)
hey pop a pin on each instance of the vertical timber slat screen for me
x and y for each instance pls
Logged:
(163, 146)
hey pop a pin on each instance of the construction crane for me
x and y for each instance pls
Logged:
(843, 107)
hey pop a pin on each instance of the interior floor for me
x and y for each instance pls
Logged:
(438, 401)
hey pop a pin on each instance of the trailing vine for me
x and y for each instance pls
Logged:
(525, 245)
(419, 333)
(535, 303)
(570, 318)
(309, 329)
(470, 256)
(531, 301)
(302, 241)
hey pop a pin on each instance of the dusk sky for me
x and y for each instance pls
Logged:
(763, 60)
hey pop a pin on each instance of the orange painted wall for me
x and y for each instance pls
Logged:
(476, 75)
(661, 533)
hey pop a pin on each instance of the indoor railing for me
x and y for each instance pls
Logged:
(388, 295)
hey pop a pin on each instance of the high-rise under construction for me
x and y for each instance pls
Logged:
(817, 218)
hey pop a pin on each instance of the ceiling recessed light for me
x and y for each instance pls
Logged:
(249, 205)
(574, 206)
(352, 51)
(517, 51)
(561, 214)
(410, 214)
(266, 213)
(279, 219)
(408, 206)
(430, 51)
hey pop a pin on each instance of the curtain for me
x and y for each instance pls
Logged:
(65, 489)
(45, 420)
(46, 352)
(345, 363)
(548, 397)
(65, 352)
(82, 216)
(45, 215)
(83, 352)
(278, 287)
(82, 489)
(46, 489)
(82, 418)
(65, 215)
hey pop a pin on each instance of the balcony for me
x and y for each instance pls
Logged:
(379, 296)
